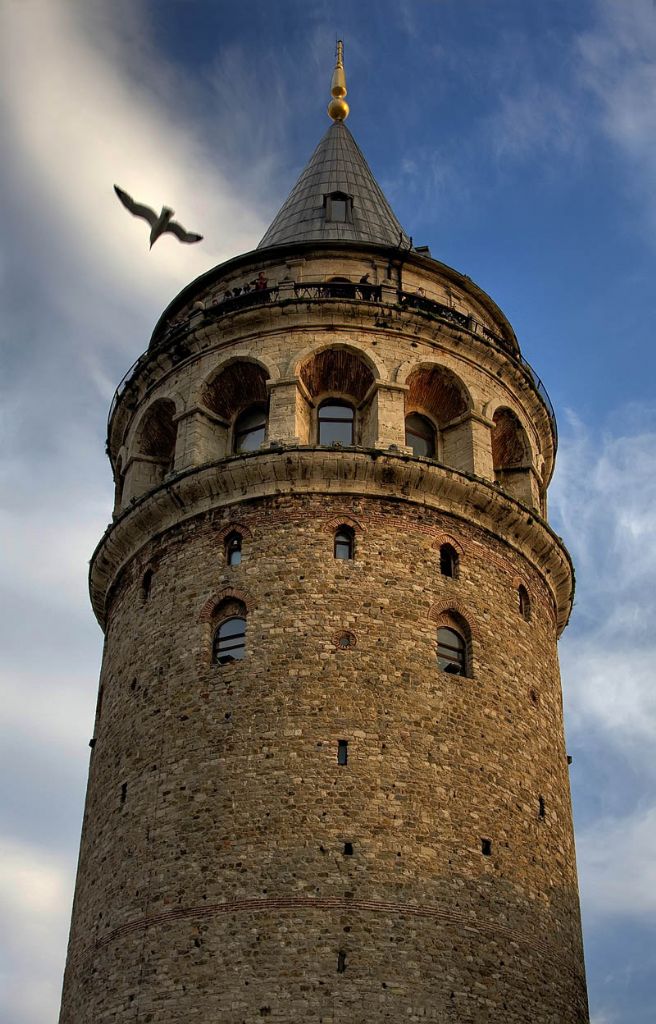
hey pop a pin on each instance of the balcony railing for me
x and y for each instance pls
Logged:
(338, 290)
(313, 291)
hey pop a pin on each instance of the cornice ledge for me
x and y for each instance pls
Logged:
(362, 472)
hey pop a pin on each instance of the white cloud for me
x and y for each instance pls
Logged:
(604, 502)
(88, 103)
(617, 866)
(35, 896)
(618, 67)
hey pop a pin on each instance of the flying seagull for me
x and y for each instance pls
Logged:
(159, 223)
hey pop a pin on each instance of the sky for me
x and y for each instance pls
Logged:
(517, 139)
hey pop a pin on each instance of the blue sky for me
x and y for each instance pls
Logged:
(517, 138)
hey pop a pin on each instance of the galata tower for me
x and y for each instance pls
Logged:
(328, 780)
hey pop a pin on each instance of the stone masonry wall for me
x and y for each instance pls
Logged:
(213, 881)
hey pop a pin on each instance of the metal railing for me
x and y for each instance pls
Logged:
(316, 291)
(338, 290)
(235, 303)
(410, 300)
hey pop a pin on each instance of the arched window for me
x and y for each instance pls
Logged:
(451, 651)
(336, 422)
(344, 543)
(448, 561)
(420, 435)
(229, 641)
(233, 548)
(524, 603)
(250, 429)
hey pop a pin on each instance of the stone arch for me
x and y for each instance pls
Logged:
(512, 457)
(436, 391)
(338, 369)
(336, 521)
(233, 527)
(369, 359)
(347, 375)
(511, 448)
(455, 615)
(156, 432)
(152, 449)
(234, 388)
(214, 604)
(447, 538)
(237, 383)
(438, 395)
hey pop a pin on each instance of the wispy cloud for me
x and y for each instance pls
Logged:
(604, 500)
(617, 866)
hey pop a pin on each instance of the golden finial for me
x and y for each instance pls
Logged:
(338, 108)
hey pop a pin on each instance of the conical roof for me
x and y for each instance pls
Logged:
(336, 166)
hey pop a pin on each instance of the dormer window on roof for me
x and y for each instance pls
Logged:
(338, 207)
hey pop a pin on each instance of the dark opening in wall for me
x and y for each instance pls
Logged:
(524, 603)
(147, 584)
(233, 548)
(542, 810)
(342, 751)
(486, 847)
(348, 849)
(124, 792)
(341, 962)
(448, 561)
(99, 702)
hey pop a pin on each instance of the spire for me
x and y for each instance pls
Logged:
(336, 197)
(338, 108)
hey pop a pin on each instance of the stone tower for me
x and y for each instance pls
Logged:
(328, 781)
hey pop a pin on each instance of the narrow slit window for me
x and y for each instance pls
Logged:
(524, 603)
(342, 752)
(341, 962)
(124, 792)
(233, 548)
(451, 651)
(448, 561)
(229, 641)
(542, 808)
(344, 543)
(147, 584)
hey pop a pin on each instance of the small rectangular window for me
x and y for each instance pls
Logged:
(348, 849)
(486, 847)
(342, 751)
(338, 210)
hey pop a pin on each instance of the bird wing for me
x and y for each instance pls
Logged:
(179, 232)
(136, 208)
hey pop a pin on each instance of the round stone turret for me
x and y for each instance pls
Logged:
(329, 780)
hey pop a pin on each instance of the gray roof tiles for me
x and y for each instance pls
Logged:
(337, 165)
